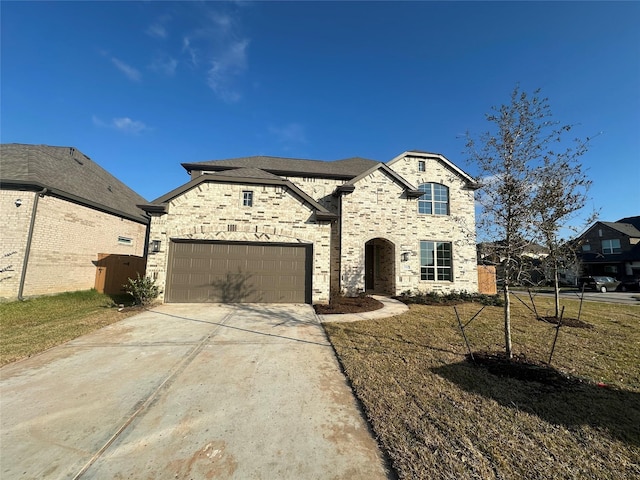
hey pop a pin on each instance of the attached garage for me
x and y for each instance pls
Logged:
(231, 272)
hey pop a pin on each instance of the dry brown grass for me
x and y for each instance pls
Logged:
(34, 325)
(440, 417)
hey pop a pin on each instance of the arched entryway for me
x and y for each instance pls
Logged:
(380, 266)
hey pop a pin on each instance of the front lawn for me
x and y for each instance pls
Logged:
(34, 325)
(438, 416)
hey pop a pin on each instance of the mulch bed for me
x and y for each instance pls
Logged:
(520, 368)
(566, 322)
(348, 305)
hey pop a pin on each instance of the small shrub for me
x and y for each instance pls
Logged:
(143, 290)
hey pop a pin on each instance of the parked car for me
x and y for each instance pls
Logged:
(630, 284)
(598, 283)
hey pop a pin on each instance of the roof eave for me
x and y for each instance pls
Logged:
(36, 187)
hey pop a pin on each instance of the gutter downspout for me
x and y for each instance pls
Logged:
(29, 239)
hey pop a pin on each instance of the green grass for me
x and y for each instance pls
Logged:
(441, 417)
(34, 325)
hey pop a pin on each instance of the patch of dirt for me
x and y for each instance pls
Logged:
(521, 368)
(348, 305)
(566, 322)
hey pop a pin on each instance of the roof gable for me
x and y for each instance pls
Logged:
(244, 176)
(409, 189)
(468, 179)
(68, 173)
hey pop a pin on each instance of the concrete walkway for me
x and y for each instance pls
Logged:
(188, 392)
(391, 308)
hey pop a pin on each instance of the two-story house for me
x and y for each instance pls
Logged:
(611, 248)
(269, 229)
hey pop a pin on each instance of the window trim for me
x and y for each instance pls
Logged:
(247, 198)
(422, 166)
(439, 267)
(432, 202)
(611, 248)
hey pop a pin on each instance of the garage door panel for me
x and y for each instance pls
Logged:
(236, 272)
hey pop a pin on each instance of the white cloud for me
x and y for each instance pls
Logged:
(125, 124)
(158, 28)
(122, 124)
(217, 45)
(226, 67)
(190, 51)
(165, 64)
(289, 135)
(130, 72)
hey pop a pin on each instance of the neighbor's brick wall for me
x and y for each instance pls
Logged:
(67, 239)
(14, 222)
(207, 211)
(379, 208)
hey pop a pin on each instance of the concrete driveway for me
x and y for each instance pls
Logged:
(188, 391)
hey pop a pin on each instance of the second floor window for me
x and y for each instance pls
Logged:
(611, 246)
(435, 200)
(247, 198)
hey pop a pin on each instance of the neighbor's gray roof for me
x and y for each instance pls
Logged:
(68, 173)
(625, 228)
(346, 168)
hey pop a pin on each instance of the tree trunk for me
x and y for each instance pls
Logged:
(556, 290)
(507, 322)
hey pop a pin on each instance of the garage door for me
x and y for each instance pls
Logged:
(231, 272)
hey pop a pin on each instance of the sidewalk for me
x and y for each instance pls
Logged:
(391, 309)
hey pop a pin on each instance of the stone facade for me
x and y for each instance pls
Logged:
(66, 240)
(372, 244)
(215, 211)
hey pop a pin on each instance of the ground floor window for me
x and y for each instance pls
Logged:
(435, 261)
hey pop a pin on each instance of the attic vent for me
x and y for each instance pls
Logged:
(232, 228)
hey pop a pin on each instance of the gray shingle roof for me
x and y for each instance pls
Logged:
(625, 228)
(346, 168)
(246, 173)
(68, 173)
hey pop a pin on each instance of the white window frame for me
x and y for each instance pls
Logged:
(247, 198)
(422, 166)
(436, 261)
(612, 246)
(431, 202)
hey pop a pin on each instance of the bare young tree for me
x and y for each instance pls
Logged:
(534, 185)
(561, 191)
(507, 157)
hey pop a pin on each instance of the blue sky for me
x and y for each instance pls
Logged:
(142, 86)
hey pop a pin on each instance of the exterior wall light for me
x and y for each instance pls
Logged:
(155, 246)
(404, 257)
(18, 202)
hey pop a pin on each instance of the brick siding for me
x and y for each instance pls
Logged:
(67, 239)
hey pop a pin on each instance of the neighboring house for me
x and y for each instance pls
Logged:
(529, 265)
(611, 249)
(268, 229)
(59, 211)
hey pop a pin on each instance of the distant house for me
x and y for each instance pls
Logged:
(270, 229)
(59, 211)
(529, 265)
(611, 249)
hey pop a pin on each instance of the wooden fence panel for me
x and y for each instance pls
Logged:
(487, 279)
(112, 271)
